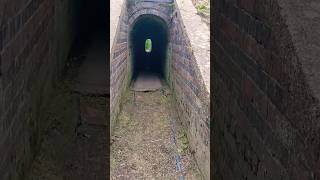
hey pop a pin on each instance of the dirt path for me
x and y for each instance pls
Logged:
(142, 145)
(65, 154)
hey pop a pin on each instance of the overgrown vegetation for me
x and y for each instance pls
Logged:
(183, 143)
(203, 8)
(148, 45)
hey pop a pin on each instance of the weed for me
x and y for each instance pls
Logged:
(203, 8)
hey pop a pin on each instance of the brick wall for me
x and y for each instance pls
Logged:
(266, 118)
(29, 53)
(119, 65)
(190, 92)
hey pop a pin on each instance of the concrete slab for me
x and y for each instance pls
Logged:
(147, 82)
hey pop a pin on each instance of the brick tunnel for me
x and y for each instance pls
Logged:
(153, 28)
(167, 87)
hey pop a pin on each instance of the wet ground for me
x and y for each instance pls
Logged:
(142, 144)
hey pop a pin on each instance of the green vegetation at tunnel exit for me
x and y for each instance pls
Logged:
(148, 45)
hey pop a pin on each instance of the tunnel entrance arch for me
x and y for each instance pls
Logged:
(153, 63)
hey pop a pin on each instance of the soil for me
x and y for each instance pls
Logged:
(142, 146)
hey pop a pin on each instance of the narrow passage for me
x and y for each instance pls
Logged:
(75, 144)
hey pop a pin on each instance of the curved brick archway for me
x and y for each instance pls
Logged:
(148, 26)
(154, 12)
(148, 8)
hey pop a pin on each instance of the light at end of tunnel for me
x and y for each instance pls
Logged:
(148, 45)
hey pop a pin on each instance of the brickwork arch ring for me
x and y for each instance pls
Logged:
(133, 19)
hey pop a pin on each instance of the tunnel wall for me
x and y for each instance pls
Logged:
(119, 65)
(266, 114)
(190, 92)
(34, 42)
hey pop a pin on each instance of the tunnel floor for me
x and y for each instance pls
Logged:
(93, 71)
(147, 82)
(76, 148)
(142, 145)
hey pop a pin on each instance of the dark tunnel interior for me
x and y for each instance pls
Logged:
(154, 28)
(91, 22)
(92, 17)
